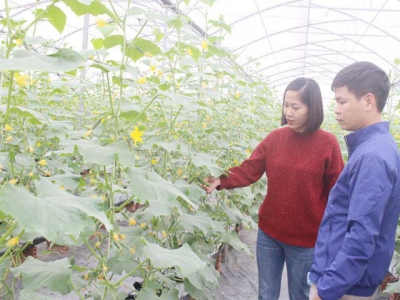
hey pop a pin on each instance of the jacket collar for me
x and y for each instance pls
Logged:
(358, 137)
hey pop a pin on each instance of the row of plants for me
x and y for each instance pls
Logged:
(87, 134)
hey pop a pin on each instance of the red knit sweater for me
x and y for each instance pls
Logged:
(301, 170)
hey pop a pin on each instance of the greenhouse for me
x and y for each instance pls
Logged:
(119, 118)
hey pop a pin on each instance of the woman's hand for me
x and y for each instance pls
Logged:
(211, 183)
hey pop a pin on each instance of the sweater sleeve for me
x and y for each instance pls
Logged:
(248, 172)
(370, 189)
(333, 167)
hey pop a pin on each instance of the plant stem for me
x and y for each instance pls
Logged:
(76, 290)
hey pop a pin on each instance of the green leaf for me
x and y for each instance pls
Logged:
(63, 60)
(149, 186)
(222, 25)
(139, 47)
(206, 160)
(34, 117)
(183, 258)
(31, 295)
(56, 17)
(232, 239)
(105, 68)
(200, 221)
(94, 8)
(53, 213)
(92, 151)
(146, 294)
(156, 209)
(35, 274)
(218, 51)
(113, 40)
(131, 115)
(122, 262)
(4, 266)
(97, 43)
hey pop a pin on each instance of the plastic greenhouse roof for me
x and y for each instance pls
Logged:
(276, 40)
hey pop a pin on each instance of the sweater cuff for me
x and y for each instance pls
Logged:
(223, 180)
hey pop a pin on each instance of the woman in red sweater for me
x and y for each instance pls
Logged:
(302, 163)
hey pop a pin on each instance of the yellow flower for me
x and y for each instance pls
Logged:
(7, 127)
(248, 151)
(153, 161)
(122, 237)
(397, 136)
(204, 125)
(204, 45)
(38, 144)
(62, 188)
(47, 173)
(30, 174)
(97, 245)
(42, 162)
(159, 73)
(116, 237)
(132, 222)
(87, 133)
(133, 250)
(86, 277)
(100, 23)
(164, 234)
(48, 79)
(137, 157)
(9, 138)
(189, 52)
(105, 268)
(12, 242)
(31, 150)
(148, 54)
(208, 118)
(179, 172)
(237, 95)
(136, 135)
(141, 80)
(93, 180)
(101, 276)
(153, 68)
(143, 225)
(21, 79)
(19, 42)
(13, 181)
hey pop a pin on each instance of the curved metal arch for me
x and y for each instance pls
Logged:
(313, 25)
(308, 66)
(365, 47)
(286, 30)
(332, 52)
(346, 38)
(287, 48)
(287, 77)
(320, 56)
(359, 19)
(258, 12)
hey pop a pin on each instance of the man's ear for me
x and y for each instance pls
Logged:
(370, 101)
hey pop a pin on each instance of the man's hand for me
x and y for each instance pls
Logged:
(314, 293)
(211, 183)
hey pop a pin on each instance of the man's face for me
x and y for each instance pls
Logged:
(350, 111)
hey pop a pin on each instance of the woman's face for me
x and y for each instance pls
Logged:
(295, 111)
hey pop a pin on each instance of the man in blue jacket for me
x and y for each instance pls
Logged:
(356, 238)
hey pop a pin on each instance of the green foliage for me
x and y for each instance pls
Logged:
(75, 155)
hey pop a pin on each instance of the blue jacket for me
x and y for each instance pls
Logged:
(356, 238)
